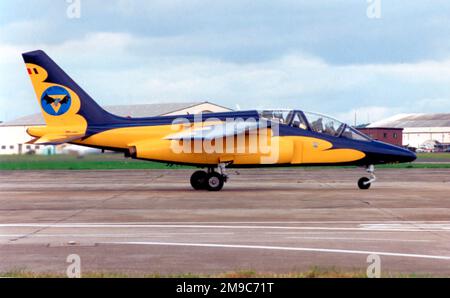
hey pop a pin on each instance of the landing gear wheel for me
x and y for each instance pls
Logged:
(198, 180)
(214, 181)
(363, 183)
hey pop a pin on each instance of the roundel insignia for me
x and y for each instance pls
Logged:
(55, 100)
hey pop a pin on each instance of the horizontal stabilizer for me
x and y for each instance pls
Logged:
(55, 139)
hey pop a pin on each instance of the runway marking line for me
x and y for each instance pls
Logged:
(356, 239)
(168, 235)
(407, 228)
(362, 222)
(122, 235)
(285, 248)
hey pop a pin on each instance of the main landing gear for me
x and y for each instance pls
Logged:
(210, 180)
(364, 182)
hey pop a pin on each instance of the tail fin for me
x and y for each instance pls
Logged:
(63, 103)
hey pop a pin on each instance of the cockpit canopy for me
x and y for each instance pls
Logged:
(314, 122)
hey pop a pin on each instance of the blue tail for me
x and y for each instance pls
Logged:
(89, 109)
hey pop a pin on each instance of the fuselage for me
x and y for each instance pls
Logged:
(215, 141)
(237, 139)
(144, 138)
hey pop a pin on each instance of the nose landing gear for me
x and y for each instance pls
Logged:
(210, 180)
(364, 182)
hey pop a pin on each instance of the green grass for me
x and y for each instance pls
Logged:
(314, 272)
(392, 166)
(69, 162)
(117, 161)
(434, 155)
(415, 166)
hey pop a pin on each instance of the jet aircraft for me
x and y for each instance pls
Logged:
(213, 141)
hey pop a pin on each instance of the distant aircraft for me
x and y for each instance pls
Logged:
(212, 141)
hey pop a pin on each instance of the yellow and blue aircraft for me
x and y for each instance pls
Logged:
(211, 141)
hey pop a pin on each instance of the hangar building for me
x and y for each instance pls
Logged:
(419, 128)
(13, 135)
(389, 135)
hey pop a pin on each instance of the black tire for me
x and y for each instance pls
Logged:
(362, 183)
(198, 180)
(214, 181)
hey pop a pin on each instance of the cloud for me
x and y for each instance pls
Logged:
(123, 68)
(242, 31)
(433, 105)
(369, 114)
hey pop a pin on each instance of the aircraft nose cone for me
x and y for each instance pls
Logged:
(406, 156)
(387, 153)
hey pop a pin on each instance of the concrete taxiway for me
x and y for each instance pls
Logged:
(287, 220)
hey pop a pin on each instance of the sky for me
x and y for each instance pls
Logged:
(375, 58)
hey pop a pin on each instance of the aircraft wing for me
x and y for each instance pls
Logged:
(55, 139)
(215, 131)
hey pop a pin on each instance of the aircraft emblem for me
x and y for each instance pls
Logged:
(55, 100)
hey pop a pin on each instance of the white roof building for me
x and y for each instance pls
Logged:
(13, 134)
(419, 128)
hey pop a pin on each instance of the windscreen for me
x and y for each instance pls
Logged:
(352, 133)
(323, 124)
(317, 122)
